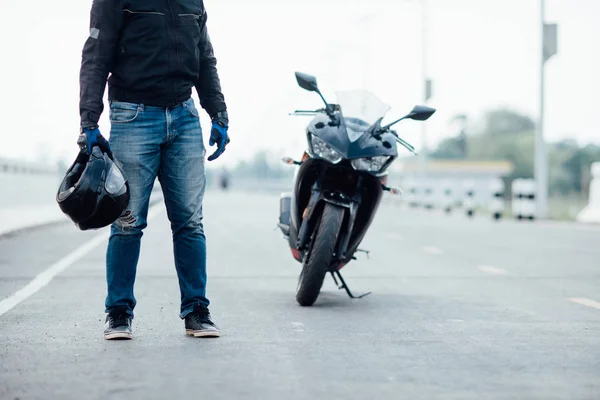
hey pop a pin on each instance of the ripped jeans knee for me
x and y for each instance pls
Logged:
(129, 223)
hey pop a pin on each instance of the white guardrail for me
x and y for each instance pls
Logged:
(23, 184)
(27, 195)
(470, 196)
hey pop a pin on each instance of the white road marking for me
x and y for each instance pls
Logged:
(432, 250)
(393, 236)
(492, 270)
(586, 302)
(45, 277)
(298, 326)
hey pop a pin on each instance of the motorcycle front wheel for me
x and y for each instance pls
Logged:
(320, 255)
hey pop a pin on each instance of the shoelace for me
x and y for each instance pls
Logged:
(120, 319)
(201, 317)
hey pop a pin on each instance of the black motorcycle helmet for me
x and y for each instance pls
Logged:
(94, 192)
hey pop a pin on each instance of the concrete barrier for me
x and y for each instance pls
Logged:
(591, 213)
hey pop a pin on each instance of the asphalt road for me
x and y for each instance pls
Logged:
(461, 310)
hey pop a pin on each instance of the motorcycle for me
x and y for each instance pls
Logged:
(338, 184)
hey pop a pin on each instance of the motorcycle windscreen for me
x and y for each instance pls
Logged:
(361, 109)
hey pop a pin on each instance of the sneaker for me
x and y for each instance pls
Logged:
(198, 323)
(118, 325)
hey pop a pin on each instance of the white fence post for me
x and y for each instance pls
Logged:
(524, 205)
(591, 214)
(428, 194)
(497, 198)
(517, 195)
(447, 198)
(469, 199)
(529, 202)
(412, 195)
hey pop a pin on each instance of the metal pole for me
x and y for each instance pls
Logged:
(367, 35)
(541, 158)
(424, 45)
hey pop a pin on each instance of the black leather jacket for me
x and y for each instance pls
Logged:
(155, 52)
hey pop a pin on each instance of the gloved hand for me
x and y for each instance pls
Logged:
(91, 137)
(218, 134)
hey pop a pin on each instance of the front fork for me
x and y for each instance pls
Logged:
(310, 216)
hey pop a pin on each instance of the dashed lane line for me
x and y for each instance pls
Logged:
(586, 302)
(393, 236)
(431, 250)
(492, 270)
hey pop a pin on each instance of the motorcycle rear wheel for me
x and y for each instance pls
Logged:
(320, 256)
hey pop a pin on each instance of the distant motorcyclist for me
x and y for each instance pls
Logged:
(224, 179)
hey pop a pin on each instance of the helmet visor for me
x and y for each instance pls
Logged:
(115, 181)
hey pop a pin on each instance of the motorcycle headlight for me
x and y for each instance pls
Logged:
(323, 150)
(370, 164)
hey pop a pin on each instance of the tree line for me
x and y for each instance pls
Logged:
(507, 135)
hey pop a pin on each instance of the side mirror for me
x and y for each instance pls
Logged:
(418, 113)
(421, 113)
(307, 82)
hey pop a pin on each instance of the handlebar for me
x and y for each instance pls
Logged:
(334, 108)
(308, 112)
(403, 142)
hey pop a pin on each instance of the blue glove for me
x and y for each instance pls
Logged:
(91, 137)
(218, 134)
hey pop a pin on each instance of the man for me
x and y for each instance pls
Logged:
(155, 52)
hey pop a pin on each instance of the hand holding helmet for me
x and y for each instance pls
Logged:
(94, 191)
(91, 137)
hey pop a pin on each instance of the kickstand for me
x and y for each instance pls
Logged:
(344, 286)
(367, 252)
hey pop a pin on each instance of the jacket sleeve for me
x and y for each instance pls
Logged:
(98, 58)
(209, 85)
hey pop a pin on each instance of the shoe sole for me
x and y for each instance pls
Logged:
(119, 336)
(202, 334)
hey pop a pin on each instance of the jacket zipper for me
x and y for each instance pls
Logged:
(143, 12)
(190, 15)
(174, 29)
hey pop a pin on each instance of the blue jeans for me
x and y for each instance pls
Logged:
(166, 143)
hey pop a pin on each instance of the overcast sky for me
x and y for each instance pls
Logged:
(481, 54)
